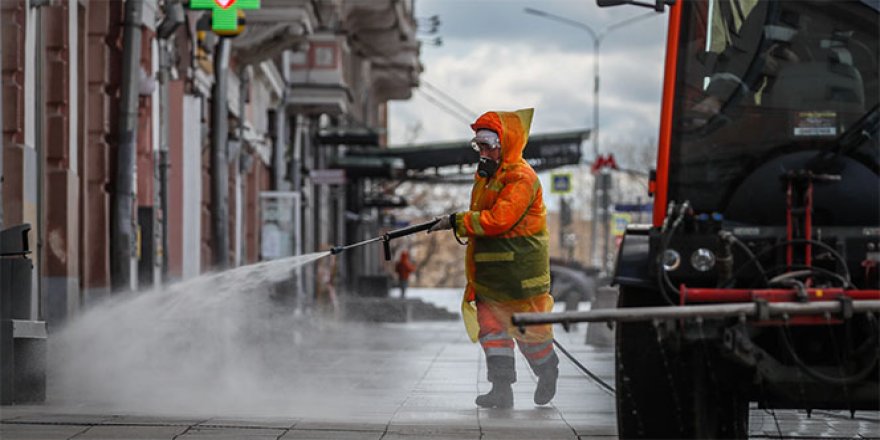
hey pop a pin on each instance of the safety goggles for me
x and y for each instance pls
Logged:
(480, 144)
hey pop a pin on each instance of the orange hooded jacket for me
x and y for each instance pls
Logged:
(507, 254)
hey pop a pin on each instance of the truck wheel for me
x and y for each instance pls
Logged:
(653, 386)
(670, 393)
(721, 409)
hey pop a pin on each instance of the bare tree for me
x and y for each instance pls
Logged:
(439, 258)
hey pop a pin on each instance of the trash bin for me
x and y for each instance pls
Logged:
(15, 273)
(22, 340)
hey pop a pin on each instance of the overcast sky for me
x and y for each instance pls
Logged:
(496, 57)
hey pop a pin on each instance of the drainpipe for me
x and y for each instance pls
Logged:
(174, 17)
(219, 162)
(39, 112)
(1, 129)
(162, 163)
(122, 237)
(295, 173)
(244, 78)
(280, 144)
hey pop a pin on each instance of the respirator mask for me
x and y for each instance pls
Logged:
(486, 167)
(485, 141)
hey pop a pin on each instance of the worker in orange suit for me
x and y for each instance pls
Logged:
(507, 260)
(404, 268)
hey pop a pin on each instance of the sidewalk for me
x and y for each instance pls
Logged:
(382, 381)
(391, 381)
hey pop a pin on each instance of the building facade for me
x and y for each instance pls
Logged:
(142, 147)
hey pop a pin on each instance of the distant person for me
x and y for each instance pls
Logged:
(404, 268)
(507, 260)
(325, 285)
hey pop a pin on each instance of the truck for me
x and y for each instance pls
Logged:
(757, 283)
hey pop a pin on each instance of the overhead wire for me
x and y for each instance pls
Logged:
(463, 108)
(452, 106)
(444, 107)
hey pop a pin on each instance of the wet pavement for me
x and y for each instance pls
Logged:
(389, 381)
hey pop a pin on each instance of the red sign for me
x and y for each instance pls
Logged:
(604, 162)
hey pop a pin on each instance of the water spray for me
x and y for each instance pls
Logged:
(387, 237)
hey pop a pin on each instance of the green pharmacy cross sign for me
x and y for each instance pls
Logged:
(225, 12)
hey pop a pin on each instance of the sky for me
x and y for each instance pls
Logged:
(495, 56)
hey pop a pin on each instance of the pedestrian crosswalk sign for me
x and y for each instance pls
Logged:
(561, 183)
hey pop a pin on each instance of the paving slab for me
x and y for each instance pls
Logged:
(151, 420)
(251, 422)
(339, 425)
(231, 433)
(50, 418)
(544, 433)
(308, 434)
(39, 432)
(460, 436)
(128, 432)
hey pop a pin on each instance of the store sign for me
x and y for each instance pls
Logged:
(333, 176)
(224, 15)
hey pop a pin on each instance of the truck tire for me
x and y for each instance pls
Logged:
(667, 393)
(721, 409)
(651, 398)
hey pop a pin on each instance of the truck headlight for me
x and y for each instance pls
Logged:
(671, 260)
(703, 260)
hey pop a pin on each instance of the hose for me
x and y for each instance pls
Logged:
(666, 233)
(814, 270)
(843, 380)
(729, 237)
(820, 244)
(596, 379)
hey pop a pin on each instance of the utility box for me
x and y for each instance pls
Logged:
(601, 333)
(22, 340)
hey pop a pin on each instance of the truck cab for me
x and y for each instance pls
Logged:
(767, 189)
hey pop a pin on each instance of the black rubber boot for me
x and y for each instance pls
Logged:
(502, 374)
(548, 373)
(501, 396)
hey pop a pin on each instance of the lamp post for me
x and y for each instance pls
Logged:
(597, 37)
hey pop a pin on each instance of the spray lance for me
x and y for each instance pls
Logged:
(387, 237)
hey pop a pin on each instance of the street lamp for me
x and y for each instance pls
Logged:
(597, 37)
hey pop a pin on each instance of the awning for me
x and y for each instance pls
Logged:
(543, 152)
(358, 137)
(375, 167)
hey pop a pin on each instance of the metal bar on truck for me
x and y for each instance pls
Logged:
(630, 314)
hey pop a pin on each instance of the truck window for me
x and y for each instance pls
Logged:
(760, 79)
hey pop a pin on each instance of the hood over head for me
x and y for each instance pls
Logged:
(512, 128)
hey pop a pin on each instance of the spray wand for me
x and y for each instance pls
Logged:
(387, 237)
